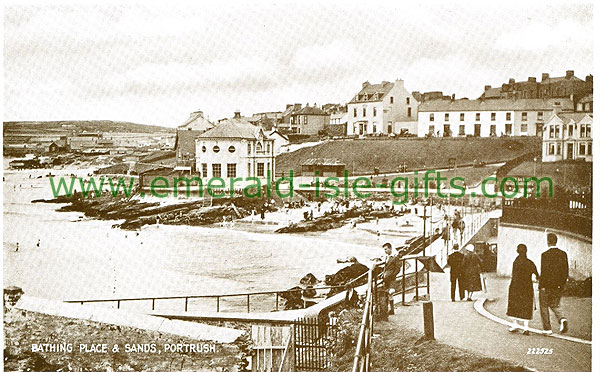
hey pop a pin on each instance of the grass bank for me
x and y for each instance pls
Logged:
(362, 156)
(24, 328)
(396, 349)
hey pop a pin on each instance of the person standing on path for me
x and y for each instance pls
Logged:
(455, 261)
(554, 272)
(471, 271)
(391, 268)
(520, 291)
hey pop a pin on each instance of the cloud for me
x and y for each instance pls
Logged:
(537, 36)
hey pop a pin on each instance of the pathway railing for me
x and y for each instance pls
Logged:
(219, 297)
(362, 355)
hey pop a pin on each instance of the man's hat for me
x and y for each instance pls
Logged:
(385, 245)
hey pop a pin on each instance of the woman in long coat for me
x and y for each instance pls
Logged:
(471, 272)
(520, 291)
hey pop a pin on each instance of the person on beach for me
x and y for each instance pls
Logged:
(455, 261)
(17, 248)
(554, 272)
(520, 290)
(471, 272)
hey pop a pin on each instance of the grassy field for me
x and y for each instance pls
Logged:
(363, 156)
(566, 174)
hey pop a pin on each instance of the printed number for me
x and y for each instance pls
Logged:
(539, 351)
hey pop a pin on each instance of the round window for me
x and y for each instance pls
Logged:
(203, 148)
(232, 149)
(216, 149)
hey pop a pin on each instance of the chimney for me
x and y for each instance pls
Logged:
(570, 74)
(487, 87)
(237, 114)
(531, 79)
(556, 108)
(545, 76)
(289, 105)
(589, 79)
(365, 84)
(453, 97)
(511, 81)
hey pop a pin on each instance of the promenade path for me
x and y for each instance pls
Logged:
(459, 324)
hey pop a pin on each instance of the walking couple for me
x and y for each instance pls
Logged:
(552, 280)
(465, 270)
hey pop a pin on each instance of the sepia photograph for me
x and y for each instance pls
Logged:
(298, 186)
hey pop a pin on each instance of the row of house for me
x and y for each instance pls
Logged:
(558, 109)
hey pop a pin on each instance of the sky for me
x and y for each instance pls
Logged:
(154, 63)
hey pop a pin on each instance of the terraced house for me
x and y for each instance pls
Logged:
(380, 108)
(488, 118)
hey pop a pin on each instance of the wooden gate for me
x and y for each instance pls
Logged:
(273, 348)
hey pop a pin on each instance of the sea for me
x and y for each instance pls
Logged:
(64, 256)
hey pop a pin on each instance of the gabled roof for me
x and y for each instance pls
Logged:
(233, 128)
(196, 121)
(376, 92)
(308, 110)
(275, 131)
(528, 104)
(575, 116)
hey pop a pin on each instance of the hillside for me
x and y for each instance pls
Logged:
(363, 156)
(83, 125)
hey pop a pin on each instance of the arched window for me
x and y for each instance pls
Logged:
(216, 149)
(258, 147)
(203, 148)
(249, 148)
(232, 149)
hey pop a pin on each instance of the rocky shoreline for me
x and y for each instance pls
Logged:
(137, 213)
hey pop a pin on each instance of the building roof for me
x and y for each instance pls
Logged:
(311, 110)
(233, 128)
(196, 121)
(587, 98)
(372, 92)
(575, 116)
(530, 104)
(560, 78)
(492, 93)
(275, 131)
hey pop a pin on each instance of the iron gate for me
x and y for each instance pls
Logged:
(314, 343)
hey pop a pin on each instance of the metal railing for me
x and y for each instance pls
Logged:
(362, 356)
(247, 295)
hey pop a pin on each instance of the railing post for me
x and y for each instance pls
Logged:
(428, 320)
(248, 302)
(218, 303)
(153, 304)
(403, 281)
(118, 304)
(186, 304)
(277, 301)
(417, 279)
